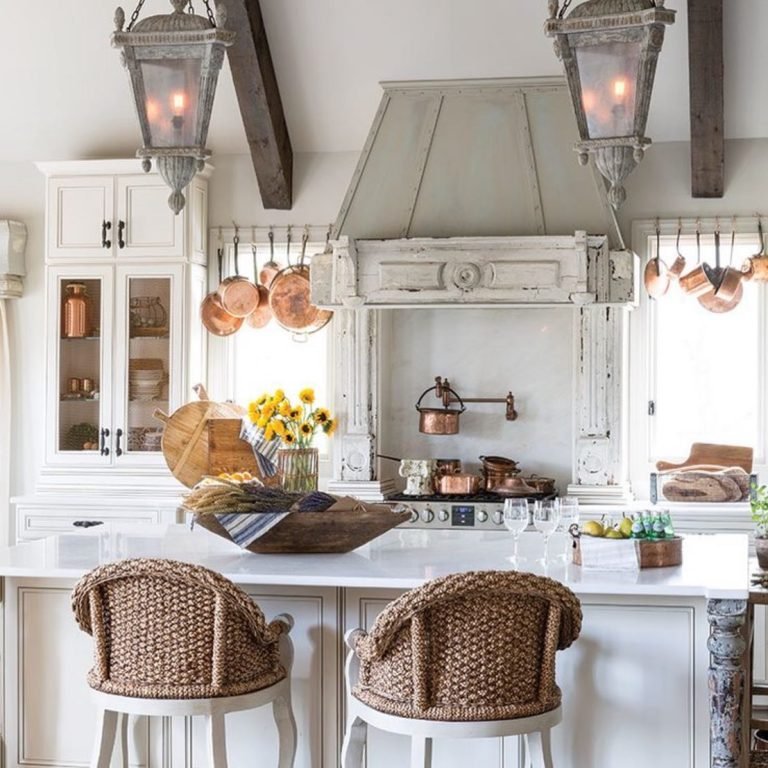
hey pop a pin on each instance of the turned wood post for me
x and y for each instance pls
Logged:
(726, 677)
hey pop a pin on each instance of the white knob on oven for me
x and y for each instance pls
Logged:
(443, 516)
(498, 517)
(482, 516)
(427, 515)
(414, 515)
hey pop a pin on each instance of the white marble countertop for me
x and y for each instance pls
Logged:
(714, 566)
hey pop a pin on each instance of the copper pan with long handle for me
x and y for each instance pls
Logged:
(290, 301)
(756, 267)
(655, 277)
(271, 268)
(727, 291)
(239, 296)
(214, 317)
(260, 316)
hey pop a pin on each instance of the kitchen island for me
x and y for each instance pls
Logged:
(635, 684)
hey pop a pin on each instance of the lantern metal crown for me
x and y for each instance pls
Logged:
(173, 61)
(609, 49)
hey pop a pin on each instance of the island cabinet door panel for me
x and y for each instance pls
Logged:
(634, 692)
(252, 736)
(49, 716)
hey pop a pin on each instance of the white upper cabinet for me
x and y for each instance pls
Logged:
(117, 212)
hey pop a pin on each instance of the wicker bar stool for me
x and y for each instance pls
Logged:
(470, 655)
(176, 639)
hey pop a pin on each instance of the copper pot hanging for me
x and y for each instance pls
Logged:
(727, 291)
(271, 268)
(756, 267)
(439, 421)
(702, 278)
(239, 296)
(655, 277)
(260, 316)
(214, 317)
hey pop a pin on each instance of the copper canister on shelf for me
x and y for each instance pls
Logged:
(75, 314)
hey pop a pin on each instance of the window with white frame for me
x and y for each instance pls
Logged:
(266, 359)
(696, 375)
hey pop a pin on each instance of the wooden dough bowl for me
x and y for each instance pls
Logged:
(651, 554)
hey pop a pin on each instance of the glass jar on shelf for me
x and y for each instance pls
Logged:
(148, 316)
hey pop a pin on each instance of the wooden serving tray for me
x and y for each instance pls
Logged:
(651, 554)
(344, 527)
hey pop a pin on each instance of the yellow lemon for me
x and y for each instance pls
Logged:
(612, 533)
(592, 528)
(625, 527)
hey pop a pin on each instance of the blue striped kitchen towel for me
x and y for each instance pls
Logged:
(246, 527)
(264, 450)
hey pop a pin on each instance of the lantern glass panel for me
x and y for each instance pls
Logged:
(608, 74)
(172, 88)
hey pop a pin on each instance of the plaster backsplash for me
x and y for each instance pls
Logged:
(484, 353)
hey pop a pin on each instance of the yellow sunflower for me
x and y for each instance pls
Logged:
(284, 409)
(307, 396)
(279, 396)
(269, 432)
(329, 427)
(294, 413)
(278, 427)
(263, 421)
(289, 438)
(306, 428)
(262, 399)
(254, 412)
(269, 410)
(322, 415)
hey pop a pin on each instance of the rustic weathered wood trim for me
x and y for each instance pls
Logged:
(726, 681)
(705, 57)
(261, 107)
(529, 166)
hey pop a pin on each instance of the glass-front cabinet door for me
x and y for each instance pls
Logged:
(147, 340)
(79, 381)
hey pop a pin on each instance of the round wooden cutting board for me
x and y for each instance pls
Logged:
(185, 437)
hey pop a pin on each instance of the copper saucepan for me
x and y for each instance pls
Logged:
(239, 296)
(655, 276)
(439, 421)
(271, 268)
(677, 267)
(260, 316)
(458, 483)
(214, 317)
(702, 277)
(756, 267)
(727, 291)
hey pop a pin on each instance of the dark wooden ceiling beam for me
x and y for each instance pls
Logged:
(705, 57)
(260, 105)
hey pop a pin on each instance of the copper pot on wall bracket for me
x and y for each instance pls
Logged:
(439, 421)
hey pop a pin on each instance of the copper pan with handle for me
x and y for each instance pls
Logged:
(756, 267)
(260, 316)
(214, 317)
(239, 296)
(655, 277)
(271, 268)
(290, 301)
(727, 291)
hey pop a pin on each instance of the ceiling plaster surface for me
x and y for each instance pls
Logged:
(65, 94)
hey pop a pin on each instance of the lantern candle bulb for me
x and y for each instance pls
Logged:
(179, 102)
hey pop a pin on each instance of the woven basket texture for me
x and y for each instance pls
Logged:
(470, 646)
(169, 630)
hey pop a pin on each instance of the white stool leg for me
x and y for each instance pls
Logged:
(106, 725)
(286, 730)
(217, 742)
(540, 749)
(122, 720)
(354, 743)
(421, 752)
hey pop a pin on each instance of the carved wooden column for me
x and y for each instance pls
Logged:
(356, 405)
(726, 677)
(600, 401)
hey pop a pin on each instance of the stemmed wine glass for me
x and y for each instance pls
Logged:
(516, 520)
(546, 515)
(569, 514)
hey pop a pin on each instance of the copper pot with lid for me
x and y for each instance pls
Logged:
(496, 469)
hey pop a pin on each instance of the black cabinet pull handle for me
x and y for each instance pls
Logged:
(118, 449)
(87, 523)
(120, 230)
(104, 450)
(105, 226)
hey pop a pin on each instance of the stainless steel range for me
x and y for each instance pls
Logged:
(481, 511)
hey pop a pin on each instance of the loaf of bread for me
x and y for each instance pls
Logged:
(730, 484)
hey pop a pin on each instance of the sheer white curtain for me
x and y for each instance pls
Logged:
(5, 421)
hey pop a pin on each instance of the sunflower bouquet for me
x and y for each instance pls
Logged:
(294, 424)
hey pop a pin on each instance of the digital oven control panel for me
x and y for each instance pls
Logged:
(447, 515)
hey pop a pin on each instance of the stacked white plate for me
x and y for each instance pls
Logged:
(145, 384)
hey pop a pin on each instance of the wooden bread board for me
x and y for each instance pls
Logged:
(714, 455)
(228, 453)
(660, 553)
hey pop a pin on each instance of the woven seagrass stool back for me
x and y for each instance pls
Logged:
(169, 630)
(471, 646)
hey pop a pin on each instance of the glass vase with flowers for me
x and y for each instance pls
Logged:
(295, 426)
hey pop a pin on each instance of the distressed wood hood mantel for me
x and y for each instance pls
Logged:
(468, 193)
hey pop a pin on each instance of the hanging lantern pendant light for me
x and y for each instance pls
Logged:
(173, 61)
(609, 49)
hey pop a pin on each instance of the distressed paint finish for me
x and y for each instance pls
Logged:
(726, 681)
(600, 457)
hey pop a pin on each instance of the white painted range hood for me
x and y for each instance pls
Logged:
(469, 193)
